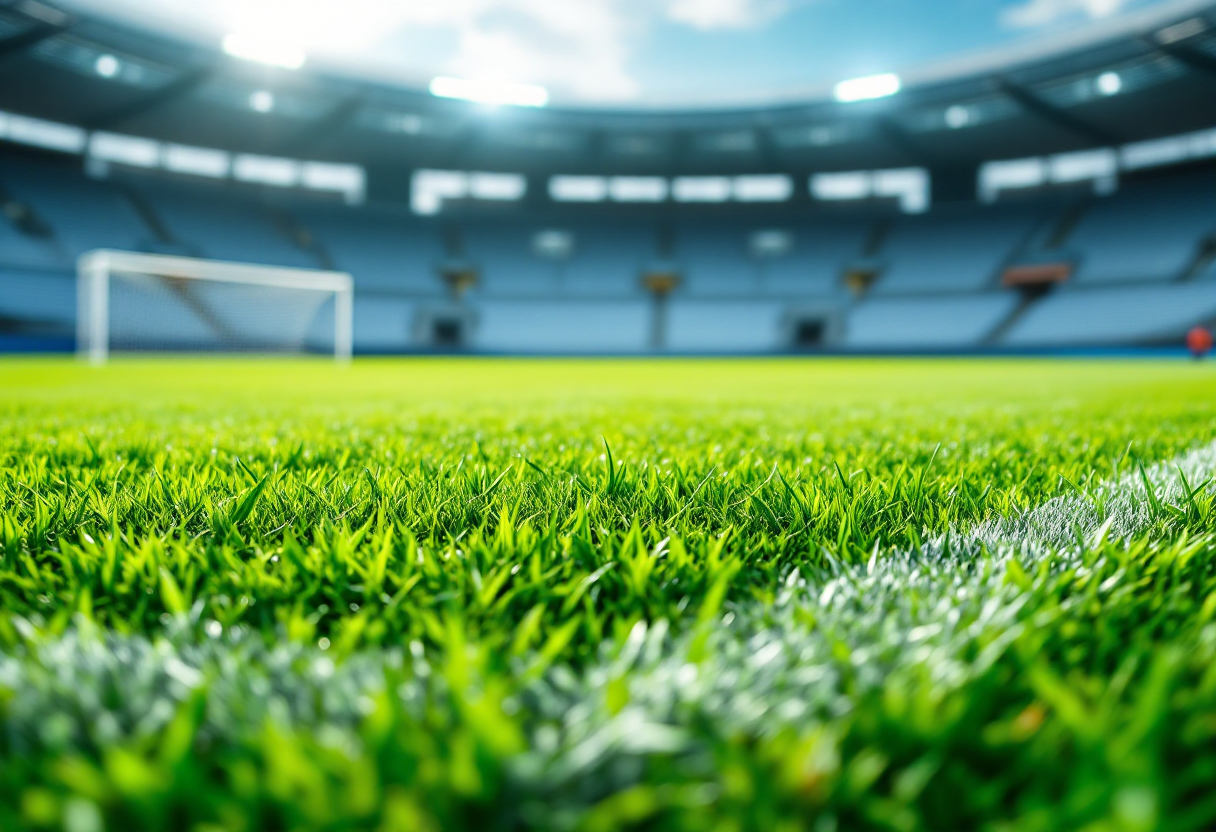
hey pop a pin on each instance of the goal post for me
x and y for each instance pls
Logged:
(152, 302)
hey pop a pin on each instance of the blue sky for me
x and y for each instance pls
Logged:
(632, 52)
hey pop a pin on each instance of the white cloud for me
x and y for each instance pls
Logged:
(579, 49)
(724, 14)
(1035, 13)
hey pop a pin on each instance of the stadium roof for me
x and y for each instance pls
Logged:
(1148, 72)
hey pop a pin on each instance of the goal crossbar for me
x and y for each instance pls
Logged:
(95, 268)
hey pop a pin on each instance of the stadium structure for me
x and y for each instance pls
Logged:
(1040, 198)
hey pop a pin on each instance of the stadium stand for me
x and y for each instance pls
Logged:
(507, 262)
(715, 260)
(223, 226)
(608, 259)
(737, 326)
(385, 250)
(1147, 231)
(554, 326)
(956, 322)
(83, 214)
(1110, 316)
(818, 255)
(953, 249)
(939, 288)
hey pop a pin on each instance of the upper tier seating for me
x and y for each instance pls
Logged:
(715, 260)
(85, 214)
(224, 226)
(608, 259)
(1147, 231)
(817, 259)
(953, 249)
(384, 252)
(508, 265)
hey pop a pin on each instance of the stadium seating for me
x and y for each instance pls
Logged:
(1144, 272)
(385, 251)
(37, 299)
(606, 326)
(1119, 315)
(737, 326)
(953, 249)
(507, 263)
(715, 260)
(608, 259)
(928, 323)
(817, 257)
(224, 226)
(84, 214)
(19, 250)
(1147, 231)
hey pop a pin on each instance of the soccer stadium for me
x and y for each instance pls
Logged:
(608, 414)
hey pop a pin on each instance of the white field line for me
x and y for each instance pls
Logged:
(1122, 503)
(944, 613)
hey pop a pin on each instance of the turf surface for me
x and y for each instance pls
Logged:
(606, 594)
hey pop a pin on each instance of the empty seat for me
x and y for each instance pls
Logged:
(1149, 231)
(225, 227)
(382, 324)
(38, 298)
(716, 261)
(1122, 315)
(85, 214)
(927, 323)
(608, 260)
(817, 258)
(508, 265)
(384, 252)
(718, 326)
(22, 251)
(952, 250)
(563, 326)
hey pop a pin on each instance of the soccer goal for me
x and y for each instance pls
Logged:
(129, 302)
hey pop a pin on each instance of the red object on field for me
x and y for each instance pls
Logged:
(1199, 342)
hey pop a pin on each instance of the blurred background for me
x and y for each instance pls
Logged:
(614, 176)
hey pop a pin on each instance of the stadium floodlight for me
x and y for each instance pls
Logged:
(262, 101)
(150, 302)
(578, 188)
(50, 135)
(125, 150)
(199, 161)
(957, 117)
(701, 189)
(265, 48)
(107, 66)
(868, 88)
(490, 92)
(1109, 83)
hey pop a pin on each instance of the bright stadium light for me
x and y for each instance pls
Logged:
(867, 88)
(490, 92)
(262, 101)
(265, 48)
(1109, 83)
(957, 117)
(107, 66)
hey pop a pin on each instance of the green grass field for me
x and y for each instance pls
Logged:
(590, 595)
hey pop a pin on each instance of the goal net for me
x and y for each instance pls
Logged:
(133, 302)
